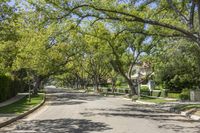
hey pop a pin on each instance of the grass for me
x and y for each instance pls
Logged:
(186, 107)
(22, 105)
(155, 100)
(173, 95)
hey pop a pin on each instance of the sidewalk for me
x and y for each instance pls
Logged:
(9, 117)
(6, 117)
(193, 113)
(14, 99)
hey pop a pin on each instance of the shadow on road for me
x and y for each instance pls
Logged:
(71, 98)
(61, 126)
(166, 120)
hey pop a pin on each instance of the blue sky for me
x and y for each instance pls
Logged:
(12, 2)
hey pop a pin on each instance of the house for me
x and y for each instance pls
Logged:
(143, 71)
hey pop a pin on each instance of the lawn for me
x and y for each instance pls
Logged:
(155, 100)
(173, 95)
(186, 107)
(22, 105)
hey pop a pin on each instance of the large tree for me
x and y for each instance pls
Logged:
(172, 18)
(123, 50)
(176, 65)
(43, 49)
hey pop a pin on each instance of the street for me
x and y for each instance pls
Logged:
(84, 113)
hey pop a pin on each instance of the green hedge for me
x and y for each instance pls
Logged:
(156, 93)
(8, 87)
(147, 93)
(124, 90)
(185, 94)
(144, 90)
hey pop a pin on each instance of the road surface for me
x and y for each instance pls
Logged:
(82, 113)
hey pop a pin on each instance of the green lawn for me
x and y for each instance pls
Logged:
(22, 105)
(173, 95)
(155, 100)
(186, 107)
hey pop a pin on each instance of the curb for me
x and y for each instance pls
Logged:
(187, 114)
(190, 115)
(23, 115)
(194, 117)
(138, 101)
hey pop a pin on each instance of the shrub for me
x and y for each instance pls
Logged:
(185, 94)
(118, 83)
(9, 87)
(158, 87)
(144, 88)
(120, 90)
(156, 93)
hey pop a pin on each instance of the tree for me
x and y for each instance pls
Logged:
(7, 21)
(8, 36)
(123, 49)
(172, 18)
(126, 30)
(176, 65)
(43, 50)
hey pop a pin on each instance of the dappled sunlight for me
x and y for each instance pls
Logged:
(60, 126)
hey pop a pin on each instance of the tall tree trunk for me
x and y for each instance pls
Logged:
(132, 87)
(113, 85)
(37, 85)
(118, 68)
(96, 83)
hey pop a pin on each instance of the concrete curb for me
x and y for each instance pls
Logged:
(23, 115)
(138, 101)
(194, 117)
(188, 114)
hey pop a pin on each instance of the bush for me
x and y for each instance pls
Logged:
(156, 93)
(118, 83)
(120, 90)
(185, 94)
(9, 87)
(144, 88)
(158, 87)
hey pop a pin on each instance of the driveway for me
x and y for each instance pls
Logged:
(82, 113)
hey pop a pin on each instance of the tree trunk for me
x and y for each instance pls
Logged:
(96, 84)
(132, 87)
(113, 85)
(37, 85)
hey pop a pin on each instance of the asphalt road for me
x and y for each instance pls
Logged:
(82, 113)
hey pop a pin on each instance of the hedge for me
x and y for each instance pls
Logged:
(9, 87)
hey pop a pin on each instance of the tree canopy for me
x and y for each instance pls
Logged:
(86, 42)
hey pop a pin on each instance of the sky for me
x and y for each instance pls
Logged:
(12, 2)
